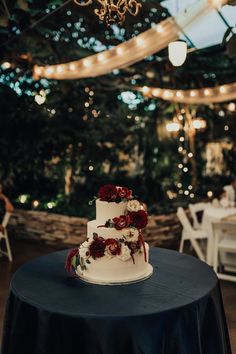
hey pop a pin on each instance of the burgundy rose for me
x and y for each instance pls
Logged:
(108, 193)
(113, 246)
(97, 247)
(124, 192)
(71, 254)
(138, 219)
(121, 222)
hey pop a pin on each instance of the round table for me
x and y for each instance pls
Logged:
(177, 311)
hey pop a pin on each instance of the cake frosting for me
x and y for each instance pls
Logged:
(115, 251)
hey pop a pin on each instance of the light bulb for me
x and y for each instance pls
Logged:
(177, 52)
(172, 127)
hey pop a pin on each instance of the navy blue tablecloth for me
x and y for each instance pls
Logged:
(177, 311)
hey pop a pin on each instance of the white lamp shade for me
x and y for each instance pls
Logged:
(177, 52)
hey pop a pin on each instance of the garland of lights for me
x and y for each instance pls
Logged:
(222, 93)
(111, 11)
(129, 52)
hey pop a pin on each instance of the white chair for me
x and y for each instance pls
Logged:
(190, 234)
(4, 236)
(224, 253)
(194, 209)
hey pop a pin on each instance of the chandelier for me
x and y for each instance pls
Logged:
(113, 11)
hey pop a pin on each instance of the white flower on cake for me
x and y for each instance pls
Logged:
(133, 205)
(131, 234)
(125, 253)
(84, 250)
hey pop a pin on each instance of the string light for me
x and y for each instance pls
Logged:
(159, 28)
(87, 63)
(231, 107)
(35, 203)
(119, 50)
(101, 57)
(172, 127)
(6, 65)
(210, 194)
(72, 66)
(140, 41)
(222, 89)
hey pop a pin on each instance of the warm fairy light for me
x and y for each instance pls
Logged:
(181, 139)
(172, 127)
(185, 169)
(145, 89)
(222, 89)
(60, 69)
(6, 65)
(167, 94)
(206, 92)
(199, 123)
(101, 57)
(38, 70)
(23, 198)
(49, 70)
(39, 99)
(210, 194)
(87, 63)
(72, 66)
(231, 107)
(156, 92)
(35, 203)
(119, 50)
(192, 93)
(51, 205)
(177, 52)
(159, 29)
(140, 41)
(216, 3)
(190, 154)
(179, 94)
(191, 195)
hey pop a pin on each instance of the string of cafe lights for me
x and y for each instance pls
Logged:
(217, 94)
(129, 52)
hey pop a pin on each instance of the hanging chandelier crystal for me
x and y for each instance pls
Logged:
(113, 11)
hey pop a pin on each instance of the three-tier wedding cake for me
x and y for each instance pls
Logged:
(115, 251)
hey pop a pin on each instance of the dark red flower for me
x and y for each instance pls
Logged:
(113, 246)
(121, 222)
(97, 247)
(108, 193)
(138, 219)
(71, 254)
(124, 192)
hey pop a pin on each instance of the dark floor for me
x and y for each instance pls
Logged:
(23, 251)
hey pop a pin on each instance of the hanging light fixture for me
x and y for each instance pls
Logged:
(177, 52)
(113, 11)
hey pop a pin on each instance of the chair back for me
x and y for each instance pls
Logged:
(184, 220)
(194, 209)
(6, 219)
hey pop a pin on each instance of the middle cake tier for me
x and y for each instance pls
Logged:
(106, 232)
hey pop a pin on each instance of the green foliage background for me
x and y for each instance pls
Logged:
(37, 147)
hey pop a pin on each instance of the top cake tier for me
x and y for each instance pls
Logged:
(108, 210)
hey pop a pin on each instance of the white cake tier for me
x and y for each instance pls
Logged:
(105, 232)
(115, 271)
(108, 210)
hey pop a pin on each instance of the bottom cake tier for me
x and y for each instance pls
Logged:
(112, 271)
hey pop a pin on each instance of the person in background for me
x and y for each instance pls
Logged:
(221, 199)
(5, 206)
(231, 191)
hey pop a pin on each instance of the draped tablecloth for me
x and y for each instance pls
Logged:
(178, 310)
(213, 214)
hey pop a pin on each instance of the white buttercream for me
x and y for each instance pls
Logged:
(109, 210)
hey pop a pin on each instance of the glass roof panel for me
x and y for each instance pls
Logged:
(209, 29)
